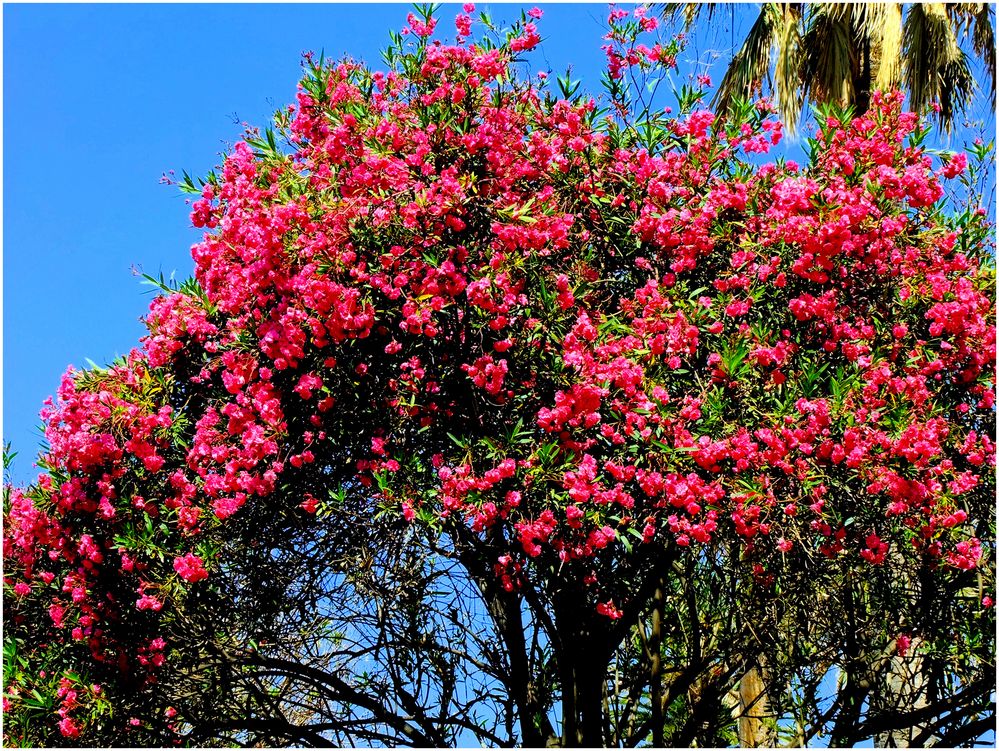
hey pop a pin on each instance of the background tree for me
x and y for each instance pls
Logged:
(840, 53)
(492, 415)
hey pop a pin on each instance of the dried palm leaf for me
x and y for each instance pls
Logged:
(936, 68)
(830, 56)
(787, 68)
(751, 63)
(883, 27)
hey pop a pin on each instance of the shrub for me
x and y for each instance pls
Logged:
(571, 418)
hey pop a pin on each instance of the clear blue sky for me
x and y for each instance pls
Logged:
(100, 100)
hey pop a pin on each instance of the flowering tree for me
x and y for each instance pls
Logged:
(495, 415)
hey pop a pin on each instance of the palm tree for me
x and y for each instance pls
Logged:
(842, 52)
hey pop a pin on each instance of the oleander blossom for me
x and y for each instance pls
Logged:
(494, 308)
(190, 567)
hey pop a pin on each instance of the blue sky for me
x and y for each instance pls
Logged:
(101, 100)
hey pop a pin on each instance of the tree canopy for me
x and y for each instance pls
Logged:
(498, 413)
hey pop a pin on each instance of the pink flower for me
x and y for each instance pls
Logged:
(310, 504)
(875, 551)
(69, 728)
(148, 602)
(956, 165)
(528, 41)
(608, 609)
(966, 554)
(601, 538)
(421, 28)
(226, 507)
(56, 613)
(738, 307)
(307, 384)
(535, 12)
(190, 567)
(408, 512)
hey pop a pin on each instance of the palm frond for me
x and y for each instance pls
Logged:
(984, 41)
(977, 19)
(690, 12)
(882, 25)
(936, 68)
(840, 11)
(838, 52)
(751, 64)
(830, 63)
(787, 68)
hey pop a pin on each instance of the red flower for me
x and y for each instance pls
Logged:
(190, 567)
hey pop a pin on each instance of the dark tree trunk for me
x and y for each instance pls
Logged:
(655, 669)
(583, 672)
(589, 701)
(864, 81)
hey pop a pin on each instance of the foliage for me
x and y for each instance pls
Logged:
(496, 414)
(842, 52)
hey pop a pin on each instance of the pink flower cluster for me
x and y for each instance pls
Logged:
(190, 567)
(488, 307)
